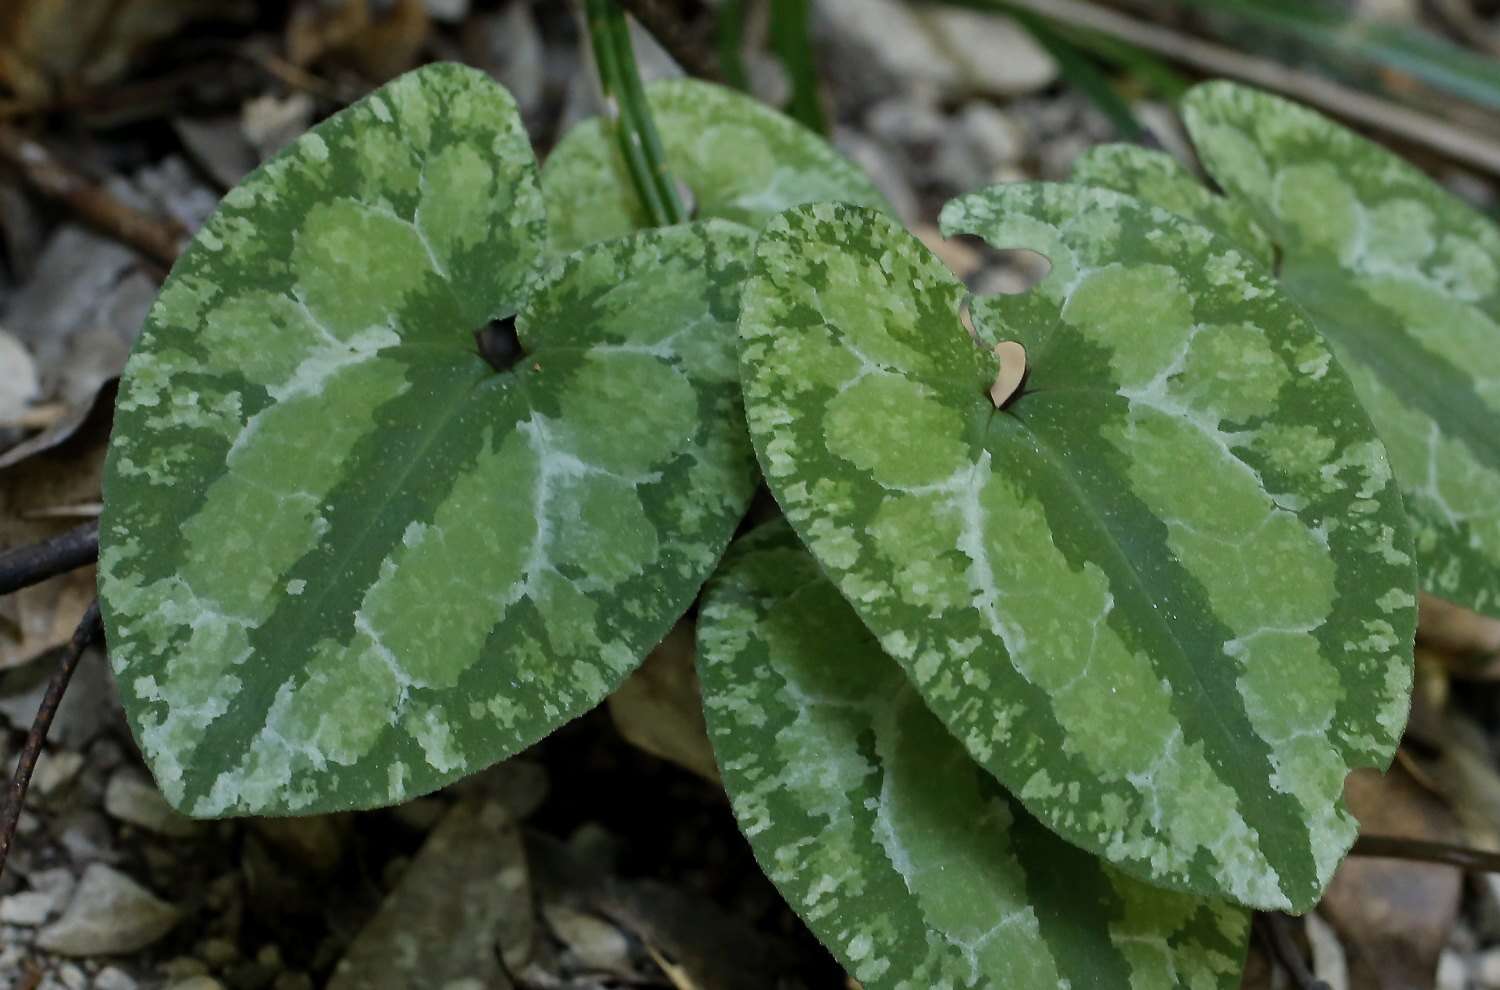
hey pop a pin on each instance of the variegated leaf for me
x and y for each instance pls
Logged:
(1159, 179)
(1165, 595)
(1402, 278)
(343, 559)
(908, 860)
(739, 159)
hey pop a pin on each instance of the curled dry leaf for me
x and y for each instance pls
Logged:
(660, 710)
(379, 41)
(50, 45)
(1465, 642)
(1012, 357)
(18, 380)
(33, 491)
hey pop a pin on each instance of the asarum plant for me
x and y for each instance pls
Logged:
(1085, 602)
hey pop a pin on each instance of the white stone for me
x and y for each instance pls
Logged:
(1487, 970)
(109, 914)
(19, 384)
(993, 134)
(55, 770)
(197, 983)
(112, 978)
(957, 51)
(448, 11)
(28, 908)
(994, 54)
(1452, 973)
(597, 944)
(133, 799)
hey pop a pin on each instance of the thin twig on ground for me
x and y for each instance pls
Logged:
(1275, 930)
(1423, 851)
(1458, 143)
(155, 237)
(88, 630)
(33, 564)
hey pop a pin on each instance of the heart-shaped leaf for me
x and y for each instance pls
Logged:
(1165, 594)
(1157, 178)
(906, 859)
(343, 559)
(1402, 278)
(739, 159)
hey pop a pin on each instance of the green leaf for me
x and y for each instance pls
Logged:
(1165, 596)
(1159, 179)
(1400, 276)
(344, 560)
(1404, 280)
(904, 857)
(741, 160)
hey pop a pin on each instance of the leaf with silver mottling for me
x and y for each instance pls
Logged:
(739, 159)
(344, 560)
(1164, 595)
(906, 858)
(1403, 279)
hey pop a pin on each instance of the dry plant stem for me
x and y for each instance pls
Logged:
(28, 565)
(1459, 144)
(1276, 931)
(1422, 851)
(154, 237)
(680, 35)
(88, 630)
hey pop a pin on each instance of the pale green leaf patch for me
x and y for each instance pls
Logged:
(1402, 278)
(739, 159)
(1165, 595)
(1161, 180)
(905, 857)
(345, 561)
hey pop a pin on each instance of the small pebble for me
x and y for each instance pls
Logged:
(72, 977)
(56, 770)
(197, 983)
(29, 909)
(183, 968)
(112, 978)
(132, 798)
(1452, 972)
(218, 952)
(1488, 969)
(109, 913)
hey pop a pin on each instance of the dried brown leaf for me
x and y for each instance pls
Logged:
(659, 708)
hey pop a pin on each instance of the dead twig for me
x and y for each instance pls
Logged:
(685, 29)
(1275, 930)
(1423, 851)
(88, 630)
(155, 237)
(24, 566)
(1457, 143)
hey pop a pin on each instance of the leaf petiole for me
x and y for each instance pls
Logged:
(630, 114)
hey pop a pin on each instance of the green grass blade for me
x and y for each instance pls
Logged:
(790, 20)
